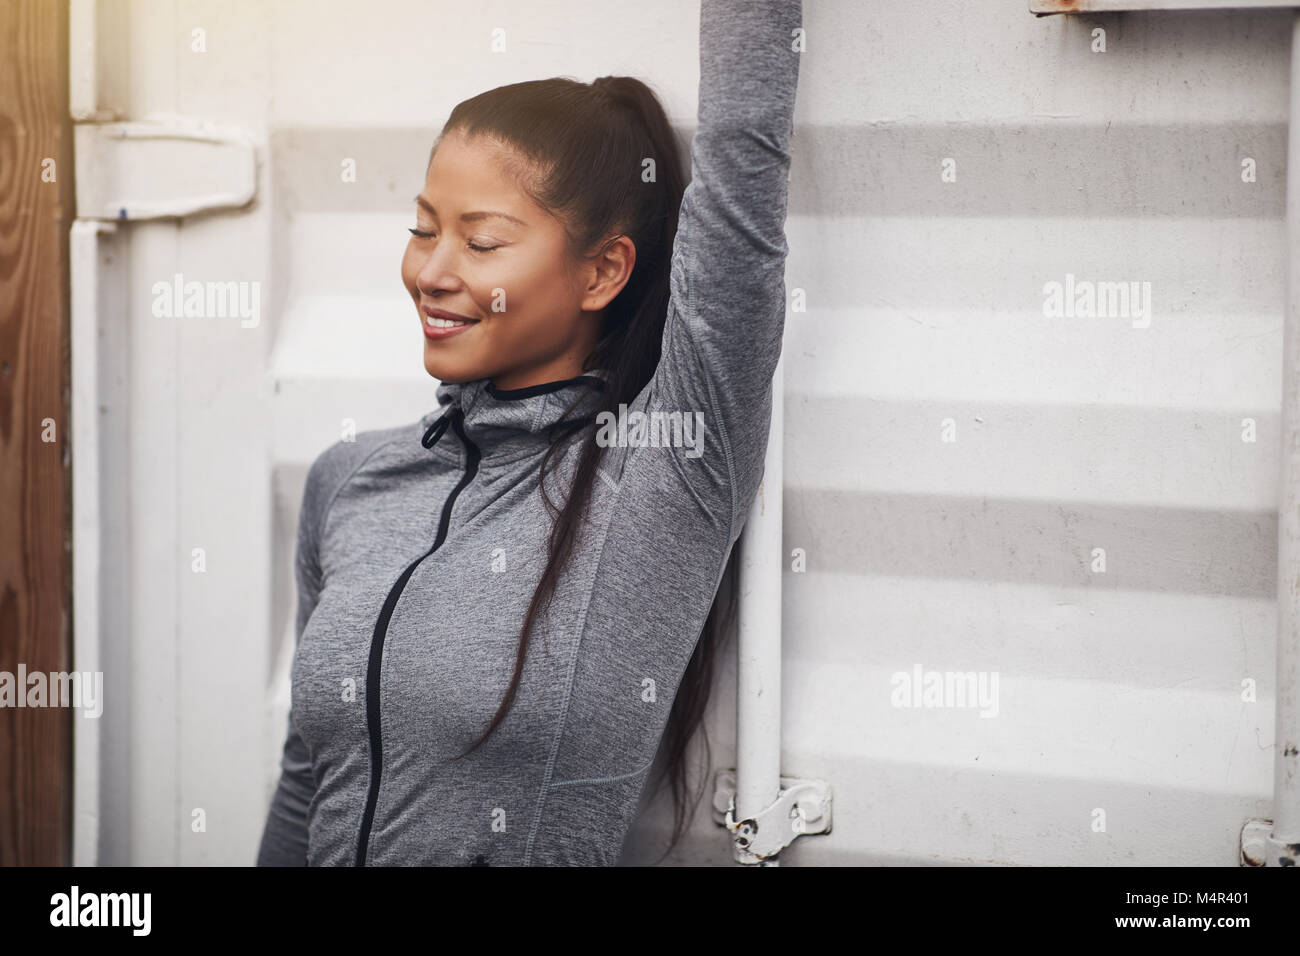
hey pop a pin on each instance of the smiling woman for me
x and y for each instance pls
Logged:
(555, 287)
(498, 291)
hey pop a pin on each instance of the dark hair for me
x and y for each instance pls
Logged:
(581, 149)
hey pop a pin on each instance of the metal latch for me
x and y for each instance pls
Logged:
(162, 166)
(803, 807)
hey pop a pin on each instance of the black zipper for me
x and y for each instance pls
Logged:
(381, 627)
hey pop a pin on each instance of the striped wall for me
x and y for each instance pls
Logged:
(957, 461)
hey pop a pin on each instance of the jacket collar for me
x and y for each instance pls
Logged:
(507, 424)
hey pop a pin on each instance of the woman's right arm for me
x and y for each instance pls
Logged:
(284, 839)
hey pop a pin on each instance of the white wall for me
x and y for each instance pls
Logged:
(1118, 690)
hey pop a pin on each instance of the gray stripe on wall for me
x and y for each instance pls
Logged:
(1034, 542)
(1048, 168)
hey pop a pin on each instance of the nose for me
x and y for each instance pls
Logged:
(437, 271)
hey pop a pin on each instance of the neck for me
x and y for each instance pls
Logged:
(508, 423)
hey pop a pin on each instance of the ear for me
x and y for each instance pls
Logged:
(608, 272)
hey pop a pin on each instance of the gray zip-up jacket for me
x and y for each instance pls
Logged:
(419, 547)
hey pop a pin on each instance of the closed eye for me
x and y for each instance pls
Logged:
(419, 234)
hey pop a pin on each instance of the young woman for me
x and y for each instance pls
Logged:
(498, 604)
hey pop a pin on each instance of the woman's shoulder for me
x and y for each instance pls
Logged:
(332, 468)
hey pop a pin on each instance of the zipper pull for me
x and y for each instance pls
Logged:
(437, 429)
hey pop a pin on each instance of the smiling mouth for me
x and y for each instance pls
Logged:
(439, 327)
(436, 322)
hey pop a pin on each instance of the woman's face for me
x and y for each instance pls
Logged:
(486, 252)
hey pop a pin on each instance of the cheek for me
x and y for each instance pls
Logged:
(541, 290)
(410, 269)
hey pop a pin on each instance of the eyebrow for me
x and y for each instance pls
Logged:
(473, 216)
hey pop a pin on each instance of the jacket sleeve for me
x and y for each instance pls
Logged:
(284, 838)
(726, 314)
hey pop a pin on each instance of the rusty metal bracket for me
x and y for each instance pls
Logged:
(1047, 8)
(802, 808)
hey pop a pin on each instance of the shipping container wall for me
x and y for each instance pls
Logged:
(1032, 369)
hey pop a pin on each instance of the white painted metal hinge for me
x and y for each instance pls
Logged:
(1259, 847)
(162, 166)
(803, 808)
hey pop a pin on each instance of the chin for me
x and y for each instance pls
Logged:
(452, 373)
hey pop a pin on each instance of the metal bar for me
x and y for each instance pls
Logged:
(86, 310)
(758, 690)
(1286, 768)
(1048, 7)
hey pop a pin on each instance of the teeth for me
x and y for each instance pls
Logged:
(443, 323)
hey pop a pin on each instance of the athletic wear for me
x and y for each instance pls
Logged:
(419, 547)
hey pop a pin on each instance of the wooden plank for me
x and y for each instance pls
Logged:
(36, 209)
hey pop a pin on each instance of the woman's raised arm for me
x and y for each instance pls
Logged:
(726, 314)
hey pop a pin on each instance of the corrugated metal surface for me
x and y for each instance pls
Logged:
(1119, 693)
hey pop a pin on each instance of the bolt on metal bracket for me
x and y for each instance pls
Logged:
(802, 808)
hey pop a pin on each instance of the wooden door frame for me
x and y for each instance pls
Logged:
(36, 212)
